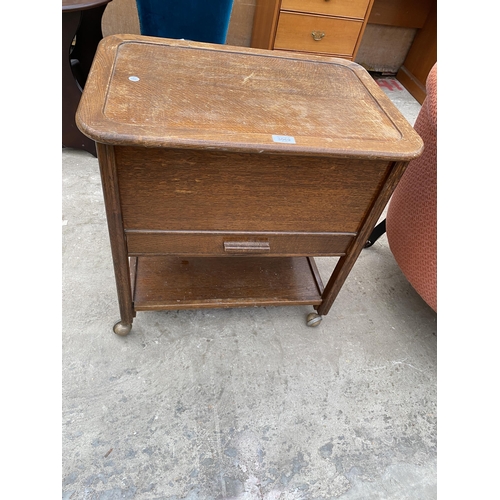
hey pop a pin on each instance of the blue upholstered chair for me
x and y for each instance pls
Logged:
(197, 20)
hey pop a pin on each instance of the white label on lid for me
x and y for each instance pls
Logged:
(286, 139)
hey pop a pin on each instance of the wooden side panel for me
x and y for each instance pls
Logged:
(166, 189)
(420, 58)
(362, 32)
(264, 24)
(402, 13)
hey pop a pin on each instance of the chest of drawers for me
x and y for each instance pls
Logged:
(226, 170)
(327, 27)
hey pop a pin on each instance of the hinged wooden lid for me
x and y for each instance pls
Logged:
(157, 92)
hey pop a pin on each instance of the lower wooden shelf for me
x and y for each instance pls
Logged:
(169, 282)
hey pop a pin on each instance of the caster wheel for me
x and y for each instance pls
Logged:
(122, 329)
(314, 319)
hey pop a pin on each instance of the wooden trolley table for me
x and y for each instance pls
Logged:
(225, 170)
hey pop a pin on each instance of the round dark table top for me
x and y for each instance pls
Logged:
(72, 5)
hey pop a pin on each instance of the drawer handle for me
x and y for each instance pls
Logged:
(318, 35)
(247, 246)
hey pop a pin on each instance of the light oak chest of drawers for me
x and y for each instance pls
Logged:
(325, 27)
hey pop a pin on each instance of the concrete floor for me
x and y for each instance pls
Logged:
(247, 404)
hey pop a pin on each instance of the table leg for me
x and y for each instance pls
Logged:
(117, 238)
(88, 36)
(71, 89)
(345, 263)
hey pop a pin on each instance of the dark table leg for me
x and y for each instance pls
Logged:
(88, 36)
(86, 25)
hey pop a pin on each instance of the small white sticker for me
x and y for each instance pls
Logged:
(286, 139)
(134, 78)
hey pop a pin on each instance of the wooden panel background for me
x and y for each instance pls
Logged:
(402, 13)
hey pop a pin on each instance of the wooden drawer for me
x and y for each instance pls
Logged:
(336, 36)
(343, 8)
(232, 244)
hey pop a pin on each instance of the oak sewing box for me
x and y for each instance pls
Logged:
(226, 170)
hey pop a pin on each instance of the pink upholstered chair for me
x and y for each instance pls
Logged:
(411, 221)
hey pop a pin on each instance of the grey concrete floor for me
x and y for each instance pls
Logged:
(247, 404)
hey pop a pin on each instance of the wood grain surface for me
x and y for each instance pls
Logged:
(192, 95)
(180, 283)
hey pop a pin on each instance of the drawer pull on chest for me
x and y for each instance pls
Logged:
(247, 246)
(318, 35)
